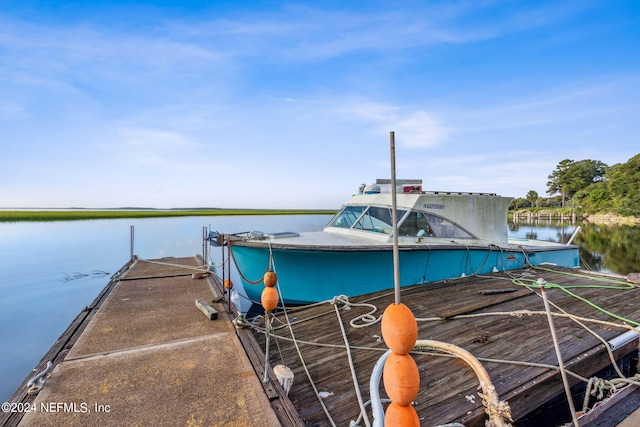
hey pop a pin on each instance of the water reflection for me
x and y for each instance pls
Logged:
(612, 248)
(607, 248)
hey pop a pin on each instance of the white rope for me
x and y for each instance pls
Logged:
(186, 267)
(295, 343)
(368, 319)
(520, 313)
(356, 386)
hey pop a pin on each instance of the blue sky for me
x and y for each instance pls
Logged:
(278, 104)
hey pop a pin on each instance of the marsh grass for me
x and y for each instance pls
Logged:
(86, 214)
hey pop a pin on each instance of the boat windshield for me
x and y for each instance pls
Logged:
(347, 217)
(414, 223)
(368, 218)
(422, 224)
(378, 219)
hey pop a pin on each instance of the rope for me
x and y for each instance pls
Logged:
(426, 265)
(368, 319)
(295, 343)
(356, 386)
(596, 387)
(499, 411)
(597, 278)
(235, 262)
(530, 283)
(240, 322)
(520, 313)
(356, 423)
(607, 347)
(168, 264)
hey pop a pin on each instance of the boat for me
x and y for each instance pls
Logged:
(441, 235)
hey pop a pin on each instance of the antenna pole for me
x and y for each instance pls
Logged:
(394, 220)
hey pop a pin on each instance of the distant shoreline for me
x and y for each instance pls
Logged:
(16, 215)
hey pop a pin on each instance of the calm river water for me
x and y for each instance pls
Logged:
(49, 271)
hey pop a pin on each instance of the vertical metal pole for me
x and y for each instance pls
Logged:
(394, 220)
(556, 346)
(131, 239)
(223, 269)
(229, 271)
(205, 246)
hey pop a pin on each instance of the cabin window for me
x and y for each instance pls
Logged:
(446, 229)
(347, 217)
(415, 224)
(377, 219)
(422, 224)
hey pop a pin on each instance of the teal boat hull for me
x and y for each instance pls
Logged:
(309, 275)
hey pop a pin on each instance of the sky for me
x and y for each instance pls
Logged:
(290, 104)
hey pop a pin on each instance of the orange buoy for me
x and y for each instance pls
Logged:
(228, 284)
(399, 328)
(269, 298)
(270, 279)
(401, 378)
(401, 416)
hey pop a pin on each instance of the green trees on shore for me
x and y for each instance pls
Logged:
(590, 186)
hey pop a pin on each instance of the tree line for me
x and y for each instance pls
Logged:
(590, 186)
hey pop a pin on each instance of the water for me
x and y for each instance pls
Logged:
(611, 249)
(49, 271)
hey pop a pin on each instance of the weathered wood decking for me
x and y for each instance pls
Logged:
(448, 387)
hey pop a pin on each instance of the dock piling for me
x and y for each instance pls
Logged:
(131, 240)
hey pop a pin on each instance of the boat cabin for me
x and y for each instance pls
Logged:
(423, 214)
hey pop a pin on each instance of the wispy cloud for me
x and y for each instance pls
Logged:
(86, 51)
(303, 33)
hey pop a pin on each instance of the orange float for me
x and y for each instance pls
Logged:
(401, 378)
(269, 298)
(228, 284)
(401, 416)
(399, 328)
(270, 279)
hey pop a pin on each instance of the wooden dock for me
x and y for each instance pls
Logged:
(515, 347)
(144, 354)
